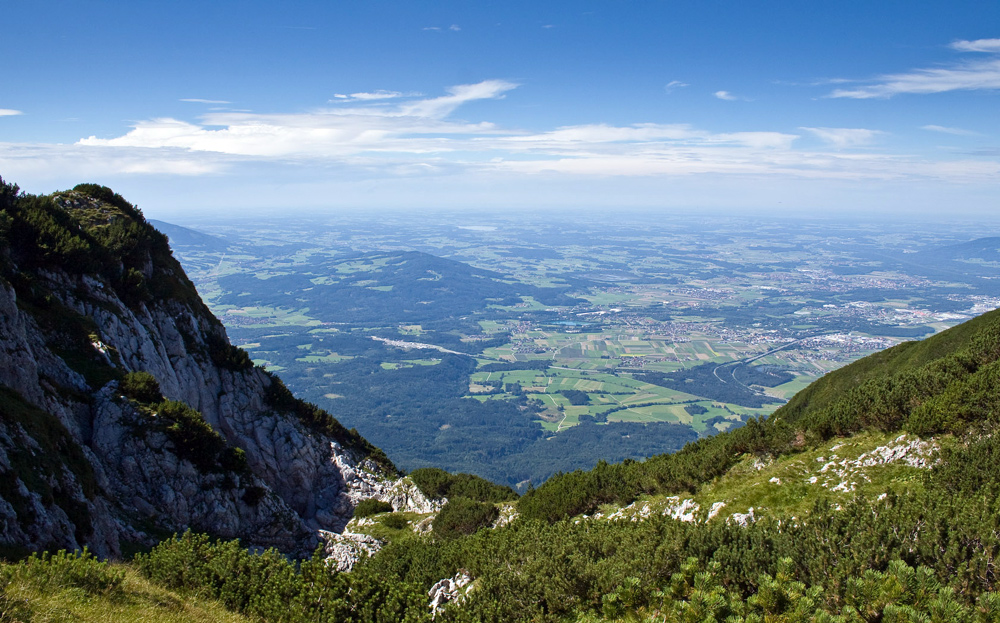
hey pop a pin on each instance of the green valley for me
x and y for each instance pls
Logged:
(671, 331)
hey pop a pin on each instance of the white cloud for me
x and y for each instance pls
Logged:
(454, 27)
(842, 138)
(201, 101)
(757, 140)
(339, 132)
(374, 95)
(979, 45)
(443, 106)
(603, 133)
(9, 112)
(980, 75)
(647, 134)
(21, 161)
(947, 130)
(431, 28)
(725, 95)
(674, 84)
(380, 135)
(974, 75)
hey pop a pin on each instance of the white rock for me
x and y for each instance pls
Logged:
(716, 508)
(449, 590)
(343, 551)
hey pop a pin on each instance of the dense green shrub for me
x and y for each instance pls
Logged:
(105, 194)
(63, 569)
(193, 438)
(234, 460)
(141, 386)
(223, 570)
(436, 483)
(270, 587)
(196, 441)
(901, 593)
(462, 516)
(227, 356)
(369, 507)
(395, 521)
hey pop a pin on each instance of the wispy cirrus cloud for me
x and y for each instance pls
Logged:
(946, 130)
(9, 112)
(198, 100)
(979, 45)
(968, 75)
(673, 85)
(678, 135)
(443, 106)
(370, 96)
(841, 138)
(727, 96)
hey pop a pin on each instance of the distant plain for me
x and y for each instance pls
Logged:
(633, 337)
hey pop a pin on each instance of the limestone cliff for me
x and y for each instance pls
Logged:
(89, 293)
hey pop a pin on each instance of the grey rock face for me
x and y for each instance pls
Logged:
(126, 482)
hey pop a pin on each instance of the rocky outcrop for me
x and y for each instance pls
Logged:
(406, 496)
(346, 549)
(449, 590)
(80, 464)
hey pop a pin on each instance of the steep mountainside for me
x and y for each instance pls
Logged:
(126, 415)
(873, 497)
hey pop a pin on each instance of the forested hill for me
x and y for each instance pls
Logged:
(425, 290)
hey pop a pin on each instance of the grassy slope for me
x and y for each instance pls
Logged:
(41, 600)
(789, 486)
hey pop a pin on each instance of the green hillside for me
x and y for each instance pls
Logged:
(906, 357)
(941, 385)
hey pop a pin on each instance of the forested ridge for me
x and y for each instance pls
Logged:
(902, 537)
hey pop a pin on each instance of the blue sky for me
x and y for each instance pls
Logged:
(756, 107)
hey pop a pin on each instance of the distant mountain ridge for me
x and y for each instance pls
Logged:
(188, 237)
(986, 249)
